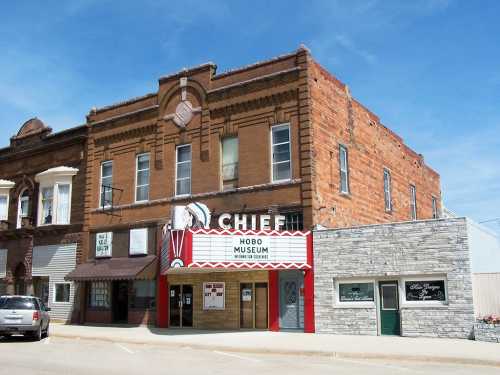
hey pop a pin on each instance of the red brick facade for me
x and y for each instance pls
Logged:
(247, 102)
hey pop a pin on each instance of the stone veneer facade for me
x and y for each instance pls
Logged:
(393, 252)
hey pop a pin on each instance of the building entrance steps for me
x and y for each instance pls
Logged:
(295, 343)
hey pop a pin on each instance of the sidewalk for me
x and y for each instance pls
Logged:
(363, 347)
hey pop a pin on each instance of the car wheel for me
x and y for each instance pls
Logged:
(47, 331)
(37, 335)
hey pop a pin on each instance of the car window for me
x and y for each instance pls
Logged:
(2, 300)
(18, 303)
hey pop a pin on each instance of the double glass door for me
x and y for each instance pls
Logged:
(181, 305)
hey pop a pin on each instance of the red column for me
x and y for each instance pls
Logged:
(274, 301)
(309, 325)
(162, 302)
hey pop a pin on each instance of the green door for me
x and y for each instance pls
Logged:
(389, 308)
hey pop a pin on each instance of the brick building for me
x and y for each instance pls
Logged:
(41, 210)
(282, 138)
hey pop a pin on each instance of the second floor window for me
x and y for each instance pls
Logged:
(55, 202)
(142, 178)
(344, 169)
(47, 205)
(23, 207)
(387, 190)
(435, 214)
(229, 163)
(281, 156)
(413, 202)
(4, 207)
(106, 184)
(183, 170)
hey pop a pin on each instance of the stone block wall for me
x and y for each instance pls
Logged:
(392, 252)
(487, 332)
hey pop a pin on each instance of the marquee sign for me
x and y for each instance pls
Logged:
(202, 248)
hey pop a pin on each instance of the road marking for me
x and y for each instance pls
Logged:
(125, 348)
(376, 362)
(237, 356)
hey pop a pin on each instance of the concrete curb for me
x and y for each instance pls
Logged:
(317, 353)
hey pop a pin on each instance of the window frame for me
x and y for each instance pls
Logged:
(55, 203)
(108, 296)
(21, 199)
(5, 216)
(236, 178)
(388, 191)
(413, 202)
(101, 205)
(190, 169)
(346, 172)
(289, 142)
(354, 304)
(435, 214)
(137, 176)
(402, 291)
(55, 292)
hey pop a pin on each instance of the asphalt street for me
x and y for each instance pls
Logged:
(74, 356)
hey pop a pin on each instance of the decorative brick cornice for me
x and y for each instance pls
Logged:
(252, 85)
(249, 105)
(127, 134)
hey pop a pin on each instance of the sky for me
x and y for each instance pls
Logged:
(430, 69)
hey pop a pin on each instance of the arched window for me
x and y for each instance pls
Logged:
(23, 207)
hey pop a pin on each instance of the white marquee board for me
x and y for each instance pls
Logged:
(242, 248)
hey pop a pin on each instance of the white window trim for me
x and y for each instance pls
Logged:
(287, 125)
(356, 305)
(100, 180)
(346, 171)
(388, 191)
(53, 178)
(19, 204)
(7, 205)
(137, 175)
(54, 294)
(183, 162)
(402, 291)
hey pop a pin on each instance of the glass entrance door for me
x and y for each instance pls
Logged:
(187, 305)
(389, 308)
(289, 301)
(175, 305)
(181, 305)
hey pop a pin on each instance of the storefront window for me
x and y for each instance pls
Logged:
(99, 294)
(425, 290)
(62, 292)
(144, 294)
(356, 292)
